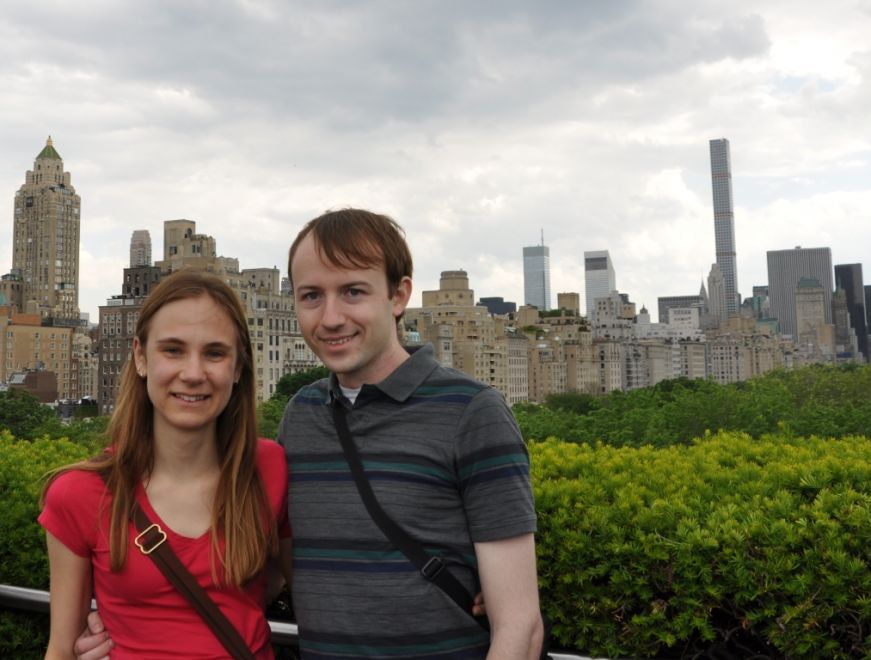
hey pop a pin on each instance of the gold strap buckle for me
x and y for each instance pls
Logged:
(140, 542)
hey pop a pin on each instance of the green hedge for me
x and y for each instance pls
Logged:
(23, 560)
(762, 543)
(765, 543)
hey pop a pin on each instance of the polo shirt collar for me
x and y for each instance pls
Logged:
(404, 380)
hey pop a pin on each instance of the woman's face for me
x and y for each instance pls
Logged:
(190, 363)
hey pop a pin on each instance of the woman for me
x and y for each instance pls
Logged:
(184, 446)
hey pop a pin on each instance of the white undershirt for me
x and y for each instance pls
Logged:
(350, 393)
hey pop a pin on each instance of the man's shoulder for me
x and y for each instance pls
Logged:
(313, 394)
(447, 384)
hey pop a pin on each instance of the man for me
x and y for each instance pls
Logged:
(441, 451)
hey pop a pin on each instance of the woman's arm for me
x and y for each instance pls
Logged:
(70, 597)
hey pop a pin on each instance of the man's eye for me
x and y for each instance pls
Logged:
(353, 293)
(309, 296)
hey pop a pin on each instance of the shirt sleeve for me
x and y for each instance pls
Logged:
(72, 510)
(493, 468)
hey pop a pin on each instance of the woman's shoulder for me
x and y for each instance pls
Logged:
(75, 487)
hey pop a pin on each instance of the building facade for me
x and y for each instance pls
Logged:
(45, 241)
(724, 220)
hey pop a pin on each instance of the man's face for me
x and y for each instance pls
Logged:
(348, 317)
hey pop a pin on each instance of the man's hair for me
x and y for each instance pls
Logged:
(355, 238)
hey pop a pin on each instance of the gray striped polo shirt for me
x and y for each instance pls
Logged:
(446, 461)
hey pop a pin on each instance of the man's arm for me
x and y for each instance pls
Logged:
(510, 585)
(278, 569)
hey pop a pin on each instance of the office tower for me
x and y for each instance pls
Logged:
(536, 276)
(599, 278)
(785, 269)
(815, 334)
(717, 295)
(498, 305)
(140, 248)
(846, 341)
(45, 242)
(724, 221)
(665, 303)
(849, 278)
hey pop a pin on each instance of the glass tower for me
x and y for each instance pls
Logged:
(536, 276)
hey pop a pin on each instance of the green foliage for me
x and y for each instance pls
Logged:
(762, 543)
(23, 559)
(290, 384)
(24, 416)
(819, 400)
(269, 412)
(269, 415)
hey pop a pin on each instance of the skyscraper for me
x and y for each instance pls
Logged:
(45, 241)
(785, 269)
(717, 295)
(724, 220)
(599, 278)
(140, 248)
(849, 278)
(536, 276)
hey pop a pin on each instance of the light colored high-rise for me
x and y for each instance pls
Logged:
(724, 220)
(717, 295)
(45, 242)
(599, 278)
(536, 276)
(785, 269)
(140, 248)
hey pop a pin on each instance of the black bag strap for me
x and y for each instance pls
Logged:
(430, 566)
(151, 542)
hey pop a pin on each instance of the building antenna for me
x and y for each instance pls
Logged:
(542, 236)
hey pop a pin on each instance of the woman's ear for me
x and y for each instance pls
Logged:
(139, 357)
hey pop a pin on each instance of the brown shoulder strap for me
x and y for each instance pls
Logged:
(151, 542)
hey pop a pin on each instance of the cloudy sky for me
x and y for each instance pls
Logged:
(477, 125)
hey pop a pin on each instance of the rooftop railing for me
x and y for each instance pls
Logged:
(284, 633)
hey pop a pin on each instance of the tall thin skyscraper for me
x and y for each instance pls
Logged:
(599, 278)
(536, 276)
(45, 241)
(140, 248)
(724, 220)
(849, 278)
(785, 269)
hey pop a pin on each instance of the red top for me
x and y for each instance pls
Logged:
(145, 615)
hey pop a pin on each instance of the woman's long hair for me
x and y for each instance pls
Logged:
(241, 513)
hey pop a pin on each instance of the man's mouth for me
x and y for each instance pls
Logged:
(338, 341)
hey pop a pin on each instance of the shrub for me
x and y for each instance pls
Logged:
(23, 560)
(651, 551)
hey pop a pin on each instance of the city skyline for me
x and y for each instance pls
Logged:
(473, 126)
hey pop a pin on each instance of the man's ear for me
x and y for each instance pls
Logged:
(401, 296)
